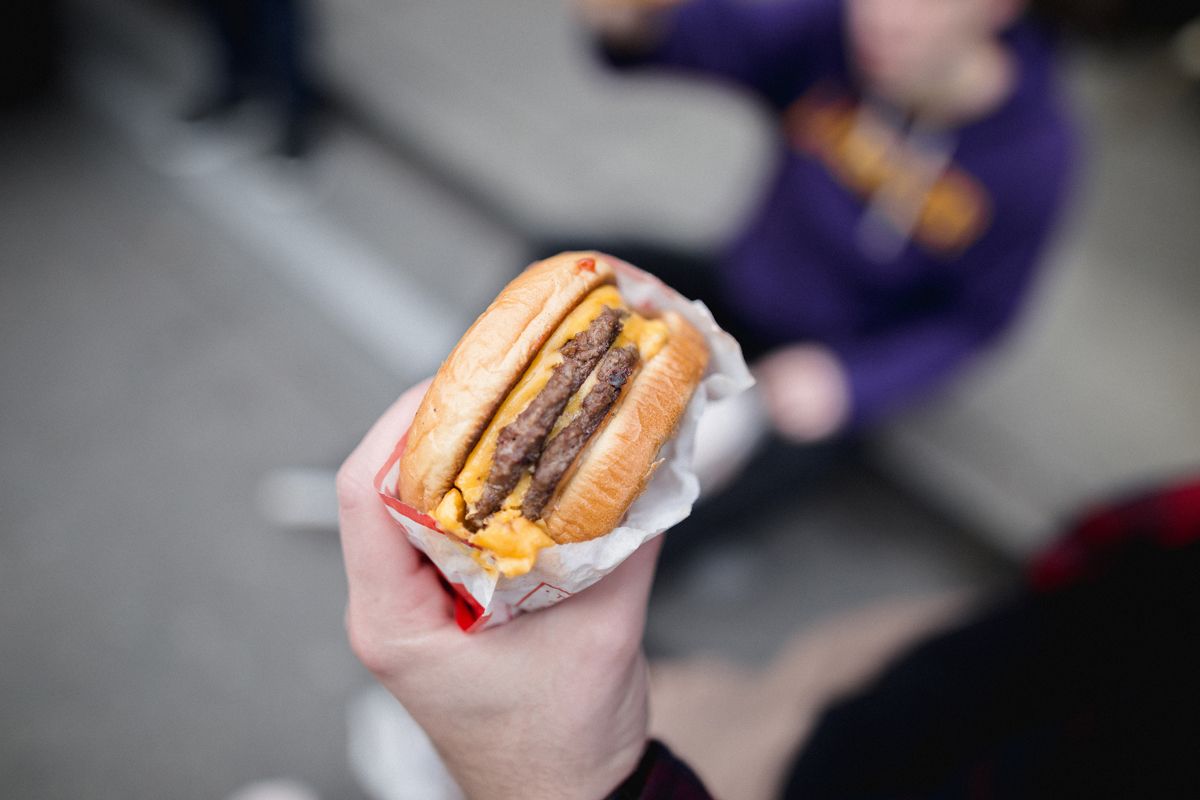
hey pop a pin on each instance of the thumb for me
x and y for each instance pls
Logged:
(620, 596)
(388, 580)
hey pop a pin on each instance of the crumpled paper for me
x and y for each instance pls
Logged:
(484, 597)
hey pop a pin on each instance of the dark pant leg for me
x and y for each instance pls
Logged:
(777, 476)
(282, 30)
(230, 24)
(1091, 691)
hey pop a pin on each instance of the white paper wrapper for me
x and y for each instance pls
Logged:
(487, 598)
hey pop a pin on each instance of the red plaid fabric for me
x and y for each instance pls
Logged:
(1164, 519)
(661, 776)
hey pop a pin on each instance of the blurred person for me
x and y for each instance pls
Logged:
(260, 50)
(923, 159)
(1079, 683)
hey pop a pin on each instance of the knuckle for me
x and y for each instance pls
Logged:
(350, 487)
(370, 649)
(613, 642)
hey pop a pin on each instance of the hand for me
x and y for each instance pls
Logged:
(626, 24)
(549, 705)
(805, 390)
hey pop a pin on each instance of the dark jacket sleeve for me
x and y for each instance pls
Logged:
(765, 47)
(661, 776)
(889, 369)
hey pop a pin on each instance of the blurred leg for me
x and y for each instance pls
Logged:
(739, 727)
(283, 28)
(1084, 691)
(233, 63)
(779, 473)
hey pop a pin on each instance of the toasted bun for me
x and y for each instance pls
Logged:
(485, 364)
(617, 463)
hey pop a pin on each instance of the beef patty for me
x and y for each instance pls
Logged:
(614, 370)
(520, 442)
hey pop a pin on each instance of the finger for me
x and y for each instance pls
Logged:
(388, 579)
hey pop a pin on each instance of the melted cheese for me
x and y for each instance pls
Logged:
(509, 542)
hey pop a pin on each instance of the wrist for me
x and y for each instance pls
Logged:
(559, 781)
(634, 785)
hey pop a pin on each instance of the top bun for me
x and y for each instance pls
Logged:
(485, 364)
(477, 376)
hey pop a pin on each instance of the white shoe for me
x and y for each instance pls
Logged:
(283, 789)
(729, 434)
(390, 756)
(299, 498)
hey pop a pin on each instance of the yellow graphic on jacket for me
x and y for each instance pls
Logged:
(921, 194)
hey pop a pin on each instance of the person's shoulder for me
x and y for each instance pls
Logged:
(811, 11)
(1026, 164)
(1028, 177)
(791, 16)
(1034, 133)
(1038, 101)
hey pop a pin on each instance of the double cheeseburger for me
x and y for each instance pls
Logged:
(545, 422)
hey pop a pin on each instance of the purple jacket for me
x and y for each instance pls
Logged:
(903, 249)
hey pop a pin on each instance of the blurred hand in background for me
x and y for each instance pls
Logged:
(805, 391)
(626, 24)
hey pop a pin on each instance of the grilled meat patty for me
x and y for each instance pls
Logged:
(614, 370)
(520, 442)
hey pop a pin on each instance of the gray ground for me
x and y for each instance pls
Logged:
(162, 351)
(159, 639)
